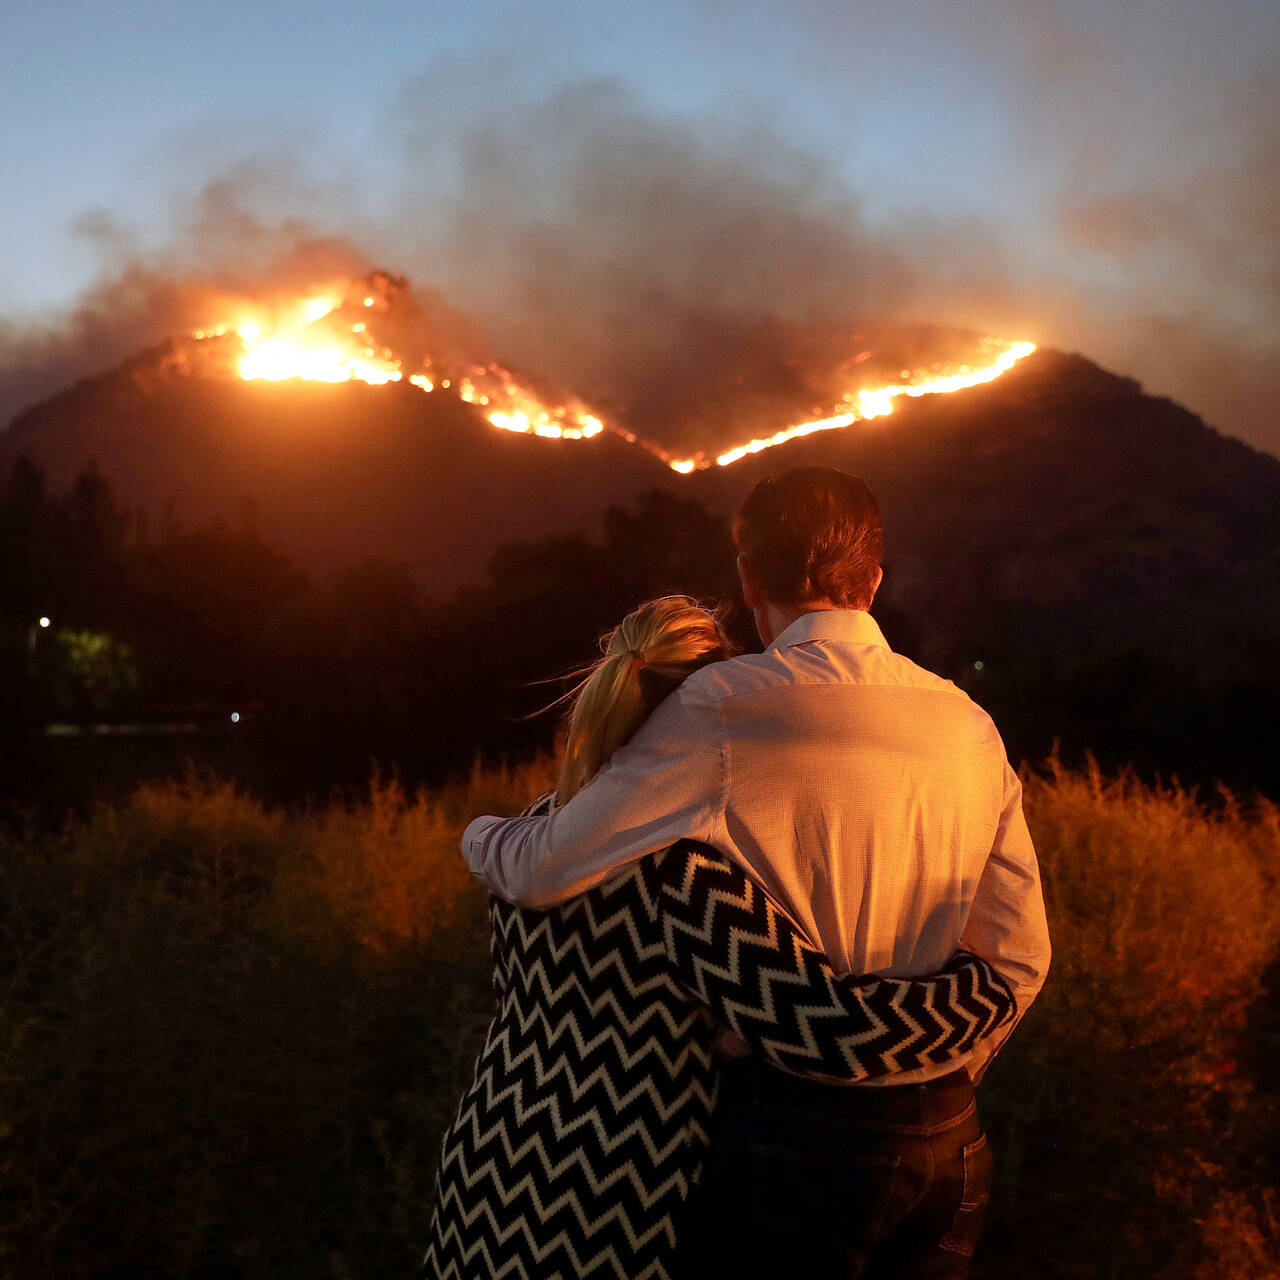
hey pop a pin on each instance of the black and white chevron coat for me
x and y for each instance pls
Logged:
(575, 1148)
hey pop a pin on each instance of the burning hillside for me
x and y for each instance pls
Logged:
(1006, 506)
(373, 331)
(361, 419)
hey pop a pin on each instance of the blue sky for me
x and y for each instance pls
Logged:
(1101, 177)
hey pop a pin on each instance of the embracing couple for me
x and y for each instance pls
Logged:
(755, 951)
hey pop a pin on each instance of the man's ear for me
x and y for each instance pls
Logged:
(875, 585)
(752, 596)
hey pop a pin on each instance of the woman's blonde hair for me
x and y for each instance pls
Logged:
(645, 657)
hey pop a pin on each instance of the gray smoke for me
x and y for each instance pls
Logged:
(647, 260)
(220, 247)
(638, 256)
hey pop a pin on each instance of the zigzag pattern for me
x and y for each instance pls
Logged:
(575, 1148)
(743, 958)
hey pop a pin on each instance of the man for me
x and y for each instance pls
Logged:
(874, 802)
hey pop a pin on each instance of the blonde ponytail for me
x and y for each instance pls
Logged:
(645, 657)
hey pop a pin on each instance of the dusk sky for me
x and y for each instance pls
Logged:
(1097, 177)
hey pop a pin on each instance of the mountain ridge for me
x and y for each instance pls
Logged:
(1087, 561)
(340, 473)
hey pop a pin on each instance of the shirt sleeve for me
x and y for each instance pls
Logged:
(1007, 924)
(738, 953)
(668, 782)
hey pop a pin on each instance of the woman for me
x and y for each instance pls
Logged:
(586, 1125)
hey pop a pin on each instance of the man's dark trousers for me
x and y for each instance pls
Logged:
(827, 1181)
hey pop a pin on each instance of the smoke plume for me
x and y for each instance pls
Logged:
(661, 264)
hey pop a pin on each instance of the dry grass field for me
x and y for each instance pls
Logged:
(230, 1037)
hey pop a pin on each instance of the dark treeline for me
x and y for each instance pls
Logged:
(154, 624)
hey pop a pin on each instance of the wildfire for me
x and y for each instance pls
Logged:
(277, 343)
(872, 402)
(331, 337)
(321, 340)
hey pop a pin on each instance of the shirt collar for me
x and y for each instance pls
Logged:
(849, 626)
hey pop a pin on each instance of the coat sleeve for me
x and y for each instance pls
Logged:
(499, 920)
(738, 953)
(502, 915)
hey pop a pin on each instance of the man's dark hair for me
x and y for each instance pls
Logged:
(812, 533)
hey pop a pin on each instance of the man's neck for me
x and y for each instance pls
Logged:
(773, 619)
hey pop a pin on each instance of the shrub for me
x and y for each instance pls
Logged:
(1125, 1111)
(231, 1037)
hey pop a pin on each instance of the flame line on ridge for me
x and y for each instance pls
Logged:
(875, 402)
(282, 355)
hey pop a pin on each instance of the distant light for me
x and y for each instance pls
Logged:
(44, 622)
(235, 717)
(979, 665)
(368, 302)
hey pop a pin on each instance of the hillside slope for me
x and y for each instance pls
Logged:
(329, 474)
(1077, 553)
(1088, 560)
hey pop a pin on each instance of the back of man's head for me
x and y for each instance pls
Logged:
(812, 534)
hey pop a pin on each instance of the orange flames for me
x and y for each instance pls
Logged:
(875, 402)
(327, 338)
(291, 342)
(320, 340)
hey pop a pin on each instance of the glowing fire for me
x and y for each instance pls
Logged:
(873, 402)
(316, 340)
(329, 338)
(280, 343)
